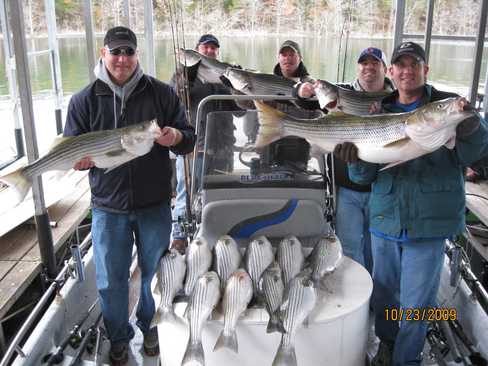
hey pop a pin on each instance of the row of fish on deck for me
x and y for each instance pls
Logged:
(381, 138)
(285, 283)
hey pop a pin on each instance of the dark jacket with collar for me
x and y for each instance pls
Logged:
(424, 196)
(144, 181)
(199, 90)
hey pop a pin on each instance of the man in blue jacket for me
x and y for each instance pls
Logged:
(414, 207)
(132, 202)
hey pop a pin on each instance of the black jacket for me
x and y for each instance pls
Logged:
(144, 181)
(199, 90)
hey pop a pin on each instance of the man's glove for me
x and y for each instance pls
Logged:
(468, 126)
(347, 152)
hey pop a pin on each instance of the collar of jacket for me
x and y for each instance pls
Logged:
(300, 72)
(102, 88)
(426, 96)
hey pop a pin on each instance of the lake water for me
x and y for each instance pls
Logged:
(450, 63)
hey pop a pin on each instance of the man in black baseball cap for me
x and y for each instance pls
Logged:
(132, 200)
(120, 37)
(412, 212)
(208, 38)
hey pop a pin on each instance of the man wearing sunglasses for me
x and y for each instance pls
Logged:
(130, 203)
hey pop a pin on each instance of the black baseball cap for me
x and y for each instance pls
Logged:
(120, 37)
(408, 48)
(208, 38)
(290, 44)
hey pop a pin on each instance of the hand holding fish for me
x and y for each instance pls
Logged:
(306, 90)
(470, 124)
(347, 152)
(169, 137)
(84, 164)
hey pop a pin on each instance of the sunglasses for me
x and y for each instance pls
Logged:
(128, 51)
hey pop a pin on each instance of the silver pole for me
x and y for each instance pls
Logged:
(126, 12)
(55, 61)
(485, 97)
(428, 30)
(12, 81)
(399, 22)
(480, 37)
(90, 38)
(149, 37)
(44, 234)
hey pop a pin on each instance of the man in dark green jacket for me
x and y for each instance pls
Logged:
(414, 207)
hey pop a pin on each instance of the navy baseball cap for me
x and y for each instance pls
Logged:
(374, 52)
(120, 37)
(208, 38)
(408, 48)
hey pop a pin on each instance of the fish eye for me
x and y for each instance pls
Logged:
(440, 106)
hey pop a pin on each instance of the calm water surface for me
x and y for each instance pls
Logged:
(450, 63)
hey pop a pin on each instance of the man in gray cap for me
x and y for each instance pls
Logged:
(130, 203)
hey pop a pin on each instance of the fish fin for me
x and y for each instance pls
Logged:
(337, 114)
(58, 140)
(272, 325)
(391, 165)
(285, 356)
(398, 143)
(270, 125)
(306, 322)
(194, 355)
(451, 143)
(115, 153)
(18, 182)
(227, 341)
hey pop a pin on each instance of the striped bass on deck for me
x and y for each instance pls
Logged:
(336, 98)
(383, 138)
(106, 149)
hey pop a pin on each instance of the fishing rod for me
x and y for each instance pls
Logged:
(469, 277)
(73, 336)
(85, 341)
(183, 91)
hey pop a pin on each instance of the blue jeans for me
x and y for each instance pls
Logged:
(406, 275)
(352, 226)
(113, 237)
(180, 202)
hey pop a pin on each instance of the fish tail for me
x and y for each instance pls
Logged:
(274, 324)
(18, 182)
(194, 355)
(227, 341)
(164, 315)
(285, 356)
(270, 124)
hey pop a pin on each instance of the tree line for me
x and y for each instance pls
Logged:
(298, 17)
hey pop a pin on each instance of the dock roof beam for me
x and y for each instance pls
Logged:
(149, 37)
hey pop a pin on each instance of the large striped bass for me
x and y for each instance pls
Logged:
(258, 256)
(198, 262)
(290, 257)
(382, 138)
(237, 295)
(272, 287)
(209, 70)
(203, 300)
(227, 258)
(336, 98)
(106, 149)
(170, 276)
(298, 304)
(254, 83)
